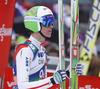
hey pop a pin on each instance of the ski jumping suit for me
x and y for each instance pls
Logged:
(30, 65)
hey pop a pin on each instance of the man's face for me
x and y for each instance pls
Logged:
(47, 31)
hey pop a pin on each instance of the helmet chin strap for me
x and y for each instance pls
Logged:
(42, 34)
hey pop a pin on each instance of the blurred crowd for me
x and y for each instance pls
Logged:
(52, 45)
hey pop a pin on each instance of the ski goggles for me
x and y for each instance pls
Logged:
(48, 20)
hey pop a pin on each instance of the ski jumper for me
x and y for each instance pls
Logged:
(30, 65)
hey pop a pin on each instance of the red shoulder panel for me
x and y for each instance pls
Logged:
(18, 49)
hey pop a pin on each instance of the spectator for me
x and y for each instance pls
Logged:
(53, 49)
(94, 67)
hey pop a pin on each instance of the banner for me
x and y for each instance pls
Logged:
(7, 8)
(8, 84)
(89, 82)
(84, 82)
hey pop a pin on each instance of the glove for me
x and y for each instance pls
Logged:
(58, 77)
(79, 69)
